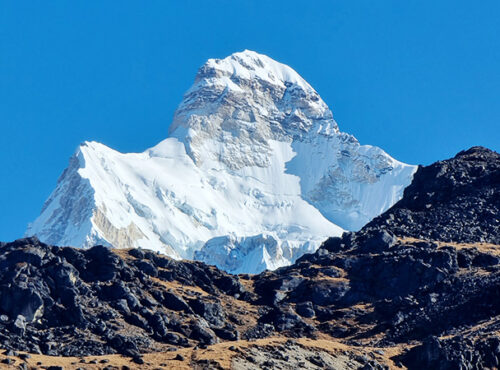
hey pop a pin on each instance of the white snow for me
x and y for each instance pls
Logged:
(254, 174)
(256, 253)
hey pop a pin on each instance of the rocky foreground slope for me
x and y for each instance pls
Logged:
(453, 200)
(418, 287)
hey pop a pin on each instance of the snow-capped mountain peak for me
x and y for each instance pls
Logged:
(243, 101)
(254, 173)
(249, 65)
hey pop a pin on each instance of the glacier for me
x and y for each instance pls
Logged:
(254, 173)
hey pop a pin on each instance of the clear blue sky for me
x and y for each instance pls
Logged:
(421, 79)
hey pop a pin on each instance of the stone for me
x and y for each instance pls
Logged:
(485, 260)
(103, 264)
(24, 356)
(316, 360)
(19, 326)
(138, 360)
(326, 293)
(147, 267)
(210, 311)
(18, 300)
(202, 333)
(305, 309)
(179, 357)
(227, 333)
(175, 302)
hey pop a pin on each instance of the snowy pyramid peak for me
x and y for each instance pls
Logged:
(247, 99)
(254, 173)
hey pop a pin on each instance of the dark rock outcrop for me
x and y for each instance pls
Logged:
(51, 293)
(453, 200)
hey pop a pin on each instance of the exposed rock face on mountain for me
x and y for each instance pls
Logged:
(453, 200)
(384, 296)
(252, 150)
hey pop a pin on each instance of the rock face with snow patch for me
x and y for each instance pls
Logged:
(253, 158)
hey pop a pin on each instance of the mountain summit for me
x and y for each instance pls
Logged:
(246, 100)
(254, 173)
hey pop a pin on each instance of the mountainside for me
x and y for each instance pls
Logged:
(456, 200)
(398, 293)
(254, 168)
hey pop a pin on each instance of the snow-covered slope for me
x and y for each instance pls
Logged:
(254, 173)
(256, 253)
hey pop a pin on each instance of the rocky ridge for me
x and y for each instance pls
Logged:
(404, 299)
(452, 200)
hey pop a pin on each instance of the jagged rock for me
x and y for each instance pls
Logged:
(212, 312)
(201, 332)
(289, 321)
(485, 260)
(305, 309)
(137, 320)
(19, 325)
(456, 200)
(261, 330)
(24, 356)
(174, 339)
(179, 357)
(21, 300)
(147, 267)
(93, 293)
(174, 302)
(138, 360)
(320, 292)
(159, 324)
(455, 353)
(102, 264)
(227, 333)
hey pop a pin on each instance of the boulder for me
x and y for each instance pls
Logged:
(173, 301)
(212, 312)
(19, 300)
(19, 325)
(305, 309)
(201, 332)
(147, 267)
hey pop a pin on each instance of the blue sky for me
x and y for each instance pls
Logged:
(421, 79)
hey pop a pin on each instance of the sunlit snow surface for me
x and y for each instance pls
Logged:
(254, 174)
